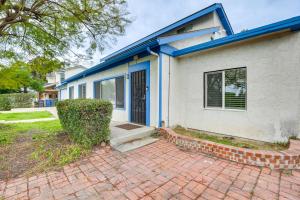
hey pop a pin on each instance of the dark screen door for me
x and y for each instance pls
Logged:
(138, 97)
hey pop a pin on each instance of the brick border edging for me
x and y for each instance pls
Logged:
(288, 159)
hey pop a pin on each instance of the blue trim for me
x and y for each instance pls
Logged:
(167, 49)
(108, 78)
(224, 20)
(215, 7)
(138, 67)
(160, 91)
(125, 55)
(183, 36)
(291, 24)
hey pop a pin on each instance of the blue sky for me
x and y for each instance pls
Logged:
(151, 15)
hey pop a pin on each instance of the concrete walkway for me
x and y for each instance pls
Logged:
(27, 120)
(156, 171)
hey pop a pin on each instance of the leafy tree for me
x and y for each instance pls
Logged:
(51, 28)
(35, 33)
(28, 75)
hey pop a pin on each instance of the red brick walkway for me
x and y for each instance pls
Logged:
(156, 171)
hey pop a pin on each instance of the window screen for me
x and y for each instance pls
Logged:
(82, 91)
(235, 88)
(112, 90)
(97, 88)
(71, 92)
(226, 89)
(120, 92)
(214, 89)
(108, 90)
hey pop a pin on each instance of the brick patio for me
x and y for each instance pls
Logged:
(156, 171)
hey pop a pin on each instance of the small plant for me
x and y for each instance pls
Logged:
(5, 104)
(86, 120)
(294, 137)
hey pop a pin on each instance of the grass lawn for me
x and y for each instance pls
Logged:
(30, 148)
(232, 141)
(25, 115)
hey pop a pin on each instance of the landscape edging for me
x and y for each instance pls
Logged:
(288, 159)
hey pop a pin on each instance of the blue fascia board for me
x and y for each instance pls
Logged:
(215, 7)
(224, 20)
(167, 49)
(291, 24)
(141, 45)
(122, 59)
(183, 36)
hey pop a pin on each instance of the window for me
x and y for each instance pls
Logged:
(82, 91)
(108, 91)
(111, 90)
(226, 89)
(71, 92)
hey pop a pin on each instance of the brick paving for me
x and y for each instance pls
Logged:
(156, 171)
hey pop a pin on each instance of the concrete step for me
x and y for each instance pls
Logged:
(134, 144)
(131, 136)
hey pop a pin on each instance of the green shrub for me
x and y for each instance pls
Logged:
(86, 120)
(20, 100)
(4, 103)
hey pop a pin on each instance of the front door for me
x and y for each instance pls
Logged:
(138, 97)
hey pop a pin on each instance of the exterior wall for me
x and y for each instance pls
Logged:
(122, 114)
(273, 89)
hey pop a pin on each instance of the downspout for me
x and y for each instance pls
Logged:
(158, 84)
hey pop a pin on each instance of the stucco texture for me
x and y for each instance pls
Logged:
(273, 89)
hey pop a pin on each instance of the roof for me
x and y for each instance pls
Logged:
(292, 24)
(123, 55)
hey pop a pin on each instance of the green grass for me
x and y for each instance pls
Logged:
(39, 146)
(25, 115)
(231, 141)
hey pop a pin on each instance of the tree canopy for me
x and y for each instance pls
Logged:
(41, 31)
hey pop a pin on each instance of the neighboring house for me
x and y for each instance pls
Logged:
(56, 78)
(198, 74)
(50, 92)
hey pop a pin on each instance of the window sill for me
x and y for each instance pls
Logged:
(223, 109)
(119, 109)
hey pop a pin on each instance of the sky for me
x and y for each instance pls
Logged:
(149, 16)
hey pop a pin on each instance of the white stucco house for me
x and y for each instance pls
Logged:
(199, 74)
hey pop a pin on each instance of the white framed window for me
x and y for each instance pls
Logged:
(82, 91)
(226, 89)
(112, 90)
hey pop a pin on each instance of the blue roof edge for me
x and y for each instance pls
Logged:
(214, 7)
(293, 24)
(142, 44)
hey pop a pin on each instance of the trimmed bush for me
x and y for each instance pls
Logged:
(86, 120)
(20, 100)
(5, 104)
